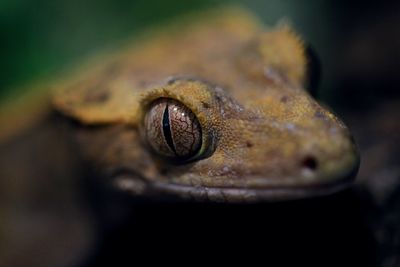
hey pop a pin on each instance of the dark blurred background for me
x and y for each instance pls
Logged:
(359, 47)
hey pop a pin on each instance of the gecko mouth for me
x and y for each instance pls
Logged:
(131, 181)
(138, 186)
(328, 184)
(249, 195)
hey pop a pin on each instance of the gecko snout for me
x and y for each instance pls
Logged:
(332, 159)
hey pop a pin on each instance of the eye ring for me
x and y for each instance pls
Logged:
(172, 130)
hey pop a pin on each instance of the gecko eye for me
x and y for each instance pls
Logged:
(172, 129)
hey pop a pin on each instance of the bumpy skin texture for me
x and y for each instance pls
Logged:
(263, 136)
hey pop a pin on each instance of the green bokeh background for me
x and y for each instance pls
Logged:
(43, 37)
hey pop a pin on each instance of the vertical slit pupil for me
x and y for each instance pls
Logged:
(167, 129)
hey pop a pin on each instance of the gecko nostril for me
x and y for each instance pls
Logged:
(309, 162)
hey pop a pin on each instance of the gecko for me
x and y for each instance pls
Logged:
(213, 108)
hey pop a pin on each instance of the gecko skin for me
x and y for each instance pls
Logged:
(214, 108)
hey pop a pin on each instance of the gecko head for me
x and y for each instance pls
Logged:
(247, 131)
